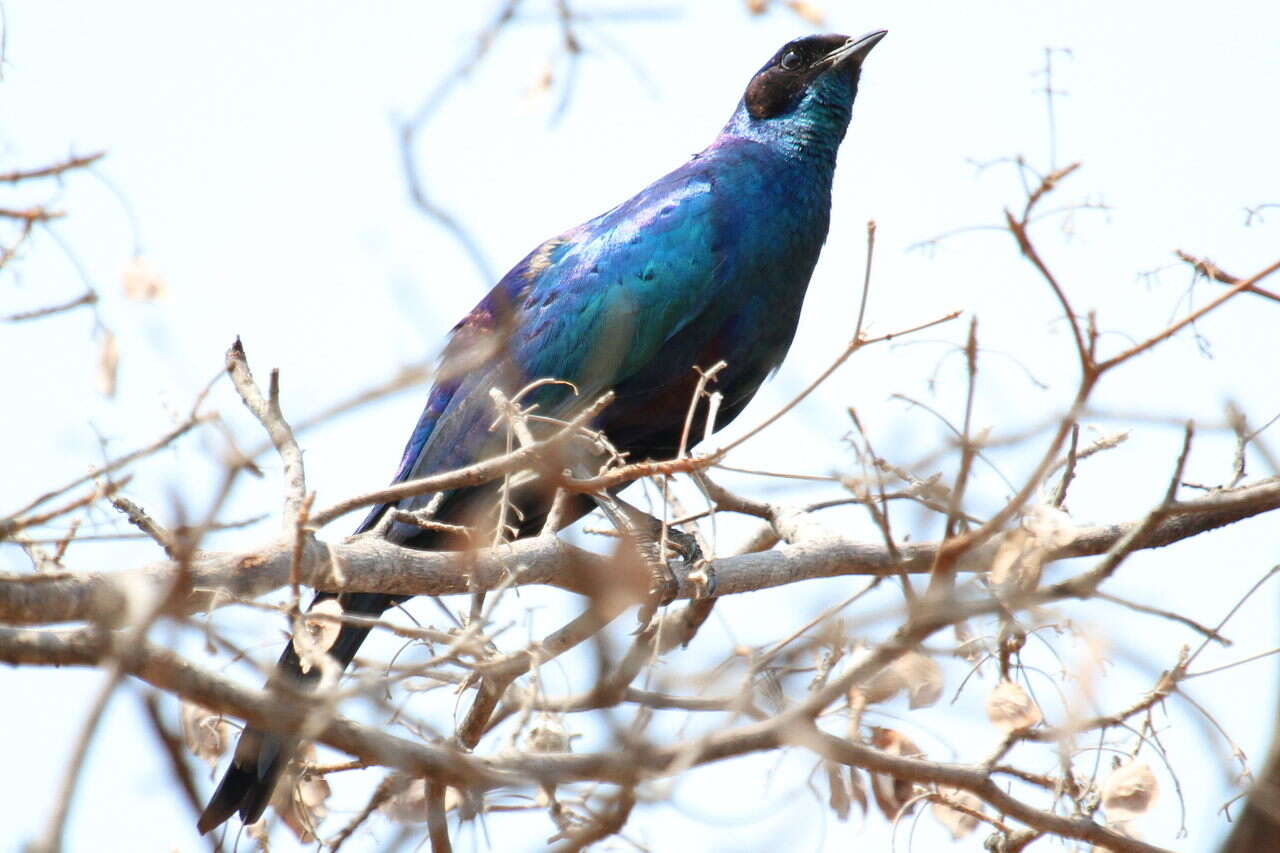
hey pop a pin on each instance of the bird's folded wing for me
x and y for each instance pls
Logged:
(590, 307)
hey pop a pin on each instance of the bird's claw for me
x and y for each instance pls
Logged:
(685, 546)
(698, 570)
(703, 577)
(664, 586)
(664, 583)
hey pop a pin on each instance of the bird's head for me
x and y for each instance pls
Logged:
(804, 94)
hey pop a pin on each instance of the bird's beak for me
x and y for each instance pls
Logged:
(854, 50)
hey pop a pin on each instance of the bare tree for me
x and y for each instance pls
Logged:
(463, 723)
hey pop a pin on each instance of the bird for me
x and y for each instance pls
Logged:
(709, 263)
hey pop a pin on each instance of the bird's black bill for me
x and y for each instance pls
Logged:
(855, 49)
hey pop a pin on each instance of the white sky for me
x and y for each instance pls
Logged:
(255, 148)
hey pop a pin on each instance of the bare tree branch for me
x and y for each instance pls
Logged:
(371, 565)
(449, 766)
(52, 170)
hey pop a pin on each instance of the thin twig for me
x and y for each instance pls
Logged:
(1208, 633)
(1069, 469)
(471, 475)
(1238, 287)
(854, 346)
(1213, 272)
(89, 297)
(1275, 570)
(866, 279)
(411, 129)
(138, 518)
(110, 467)
(268, 413)
(52, 170)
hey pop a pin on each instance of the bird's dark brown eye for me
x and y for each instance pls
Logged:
(791, 60)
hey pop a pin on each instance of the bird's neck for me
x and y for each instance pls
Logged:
(809, 137)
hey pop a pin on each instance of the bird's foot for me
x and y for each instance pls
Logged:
(664, 586)
(683, 545)
(664, 583)
(657, 543)
(698, 569)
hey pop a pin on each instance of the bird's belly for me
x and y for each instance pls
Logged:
(648, 418)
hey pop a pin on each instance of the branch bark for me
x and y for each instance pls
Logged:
(368, 564)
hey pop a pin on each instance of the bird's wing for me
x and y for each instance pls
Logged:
(621, 286)
(590, 307)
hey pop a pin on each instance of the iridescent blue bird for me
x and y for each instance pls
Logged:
(708, 263)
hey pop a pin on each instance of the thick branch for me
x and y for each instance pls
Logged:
(368, 564)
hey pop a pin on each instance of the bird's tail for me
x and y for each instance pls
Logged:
(260, 757)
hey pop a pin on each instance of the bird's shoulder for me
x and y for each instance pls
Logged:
(652, 261)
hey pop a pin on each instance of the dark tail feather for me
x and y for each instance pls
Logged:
(249, 781)
(260, 757)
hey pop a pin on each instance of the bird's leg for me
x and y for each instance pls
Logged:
(639, 525)
(685, 545)
(647, 532)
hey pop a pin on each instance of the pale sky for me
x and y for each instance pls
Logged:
(254, 148)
